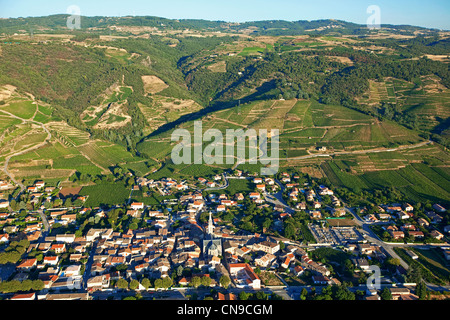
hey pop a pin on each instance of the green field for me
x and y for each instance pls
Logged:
(24, 109)
(105, 194)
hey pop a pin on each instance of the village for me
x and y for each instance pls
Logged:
(133, 249)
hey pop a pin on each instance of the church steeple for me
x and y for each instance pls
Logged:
(210, 230)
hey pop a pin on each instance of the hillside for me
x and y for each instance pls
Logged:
(111, 94)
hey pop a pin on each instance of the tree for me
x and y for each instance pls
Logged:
(180, 270)
(421, 290)
(196, 282)
(167, 282)
(224, 281)
(206, 281)
(260, 295)
(342, 293)
(134, 284)
(145, 283)
(289, 230)
(386, 294)
(304, 294)
(26, 285)
(122, 284)
(244, 295)
(121, 267)
(158, 284)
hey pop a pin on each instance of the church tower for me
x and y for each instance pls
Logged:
(210, 230)
(212, 247)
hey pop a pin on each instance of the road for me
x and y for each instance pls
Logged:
(378, 150)
(87, 270)
(330, 154)
(223, 187)
(44, 220)
(372, 237)
(277, 198)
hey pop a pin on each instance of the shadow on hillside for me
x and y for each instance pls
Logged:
(260, 94)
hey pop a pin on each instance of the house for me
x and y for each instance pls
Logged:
(5, 185)
(416, 234)
(4, 238)
(50, 260)
(66, 238)
(285, 179)
(239, 197)
(435, 218)
(362, 263)
(4, 204)
(298, 270)
(265, 260)
(315, 214)
(254, 195)
(439, 208)
(27, 264)
(366, 248)
(228, 203)
(397, 292)
(32, 189)
(137, 206)
(422, 222)
(300, 206)
(72, 270)
(261, 187)
(407, 207)
(69, 217)
(33, 236)
(393, 209)
(320, 279)
(266, 246)
(24, 296)
(198, 204)
(39, 184)
(383, 216)
(48, 279)
(134, 213)
(202, 180)
(226, 296)
(58, 247)
(396, 234)
(98, 282)
(402, 215)
(339, 212)
(436, 234)
(75, 257)
(370, 218)
(286, 261)
(244, 275)
(257, 180)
